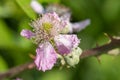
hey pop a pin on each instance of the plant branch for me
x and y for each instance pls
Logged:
(16, 70)
(115, 43)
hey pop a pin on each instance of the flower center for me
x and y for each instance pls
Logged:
(47, 27)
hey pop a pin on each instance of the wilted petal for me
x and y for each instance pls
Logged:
(27, 33)
(78, 26)
(65, 43)
(46, 57)
(37, 7)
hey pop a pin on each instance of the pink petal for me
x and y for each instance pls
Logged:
(46, 57)
(65, 43)
(27, 33)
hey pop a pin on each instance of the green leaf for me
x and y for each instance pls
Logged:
(25, 5)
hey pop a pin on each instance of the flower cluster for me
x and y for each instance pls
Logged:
(51, 43)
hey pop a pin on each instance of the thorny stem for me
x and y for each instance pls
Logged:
(115, 43)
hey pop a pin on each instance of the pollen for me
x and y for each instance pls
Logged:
(47, 27)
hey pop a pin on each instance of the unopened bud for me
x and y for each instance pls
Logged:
(74, 57)
(37, 7)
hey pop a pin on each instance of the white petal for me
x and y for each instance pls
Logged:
(37, 7)
(78, 26)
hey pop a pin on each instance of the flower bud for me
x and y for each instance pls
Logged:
(74, 57)
(37, 7)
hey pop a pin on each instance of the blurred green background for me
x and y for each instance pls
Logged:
(15, 15)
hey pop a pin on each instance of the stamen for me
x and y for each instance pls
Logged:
(47, 27)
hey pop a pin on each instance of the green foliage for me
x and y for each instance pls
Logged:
(25, 5)
(3, 65)
(5, 34)
(111, 10)
(107, 69)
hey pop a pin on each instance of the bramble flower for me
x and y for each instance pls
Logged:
(64, 13)
(46, 34)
